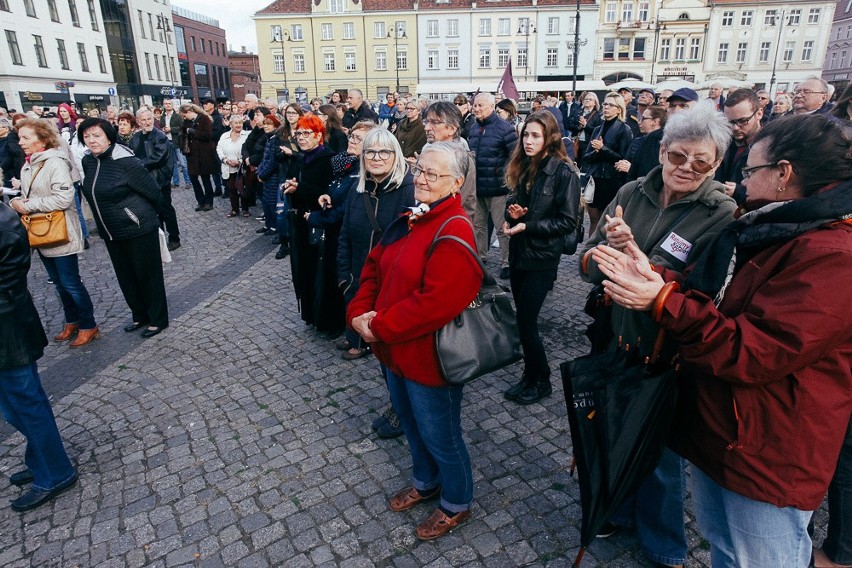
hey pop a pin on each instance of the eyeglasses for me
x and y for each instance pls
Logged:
(411, 108)
(643, 117)
(609, 105)
(356, 139)
(458, 104)
(431, 177)
(698, 166)
(751, 169)
(303, 133)
(763, 98)
(740, 122)
(433, 122)
(291, 113)
(382, 154)
(806, 92)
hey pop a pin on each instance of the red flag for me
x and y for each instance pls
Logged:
(507, 84)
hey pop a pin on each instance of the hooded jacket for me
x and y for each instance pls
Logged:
(492, 139)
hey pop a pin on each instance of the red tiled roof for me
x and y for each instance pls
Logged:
(286, 7)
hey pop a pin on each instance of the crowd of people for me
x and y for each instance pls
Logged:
(713, 220)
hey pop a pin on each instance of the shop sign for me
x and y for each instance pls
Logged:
(30, 96)
(96, 97)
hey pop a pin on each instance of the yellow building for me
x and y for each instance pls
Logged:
(309, 49)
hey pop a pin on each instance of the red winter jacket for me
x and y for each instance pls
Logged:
(767, 383)
(414, 297)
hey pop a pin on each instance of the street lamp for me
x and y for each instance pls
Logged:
(526, 30)
(575, 45)
(659, 24)
(281, 33)
(398, 32)
(777, 49)
(163, 25)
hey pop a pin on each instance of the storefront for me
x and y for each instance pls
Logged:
(29, 99)
(132, 96)
(85, 102)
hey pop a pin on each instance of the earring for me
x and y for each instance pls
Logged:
(781, 189)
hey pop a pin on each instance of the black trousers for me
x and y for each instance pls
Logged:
(202, 196)
(838, 541)
(168, 215)
(139, 271)
(530, 288)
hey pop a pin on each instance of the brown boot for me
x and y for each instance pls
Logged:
(67, 332)
(85, 336)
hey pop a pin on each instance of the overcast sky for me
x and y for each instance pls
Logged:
(234, 17)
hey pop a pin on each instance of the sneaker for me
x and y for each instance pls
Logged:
(217, 193)
(391, 428)
(262, 217)
(378, 422)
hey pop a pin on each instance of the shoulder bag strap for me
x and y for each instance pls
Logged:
(32, 179)
(486, 277)
(371, 214)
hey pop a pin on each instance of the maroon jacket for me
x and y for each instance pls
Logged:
(202, 159)
(767, 383)
(414, 297)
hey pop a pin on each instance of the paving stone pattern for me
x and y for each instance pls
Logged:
(238, 438)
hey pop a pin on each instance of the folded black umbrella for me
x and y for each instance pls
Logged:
(620, 409)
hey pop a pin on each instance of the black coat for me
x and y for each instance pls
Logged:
(123, 196)
(219, 127)
(552, 213)
(616, 142)
(492, 140)
(22, 337)
(731, 169)
(364, 112)
(647, 156)
(11, 158)
(254, 146)
(467, 122)
(202, 159)
(157, 155)
(337, 141)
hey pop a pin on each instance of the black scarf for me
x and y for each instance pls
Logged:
(771, 224)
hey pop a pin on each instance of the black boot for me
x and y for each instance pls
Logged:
(512, 392)
(283, 250)
(535, 391)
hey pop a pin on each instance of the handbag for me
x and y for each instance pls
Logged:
(575, 237)
(165, 255)
(46, 229)
(484, 336)
(587, 187)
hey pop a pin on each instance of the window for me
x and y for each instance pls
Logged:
(789, 48)
(165, 63)
(4, 5)
(327, 31)
(522, 57)
(552, 58)
(644, 9)
(610, 14)
(523, 25)
(502, 57)
(639, 48)
(148, 66)
(504, 26)
(627, 12)
(402, 60)
(349, 61)
(722, 56)
(432, 59)
(807, 50)
(336, 6)
(299, 62)
(609, 48)
(296, 32)
(192, 41)
(665, 48)
(453, 59)
(329, 61)
(485, 27)
(843, 58)
(400, 29)
(813, 15)
(741, 52)
(348, 30)
(484, 58)
(30, 8)
(553, 25)
(142, 25)
(431, 28)
(63, 55)
(452, 28)
(93, 16)
(763, 54)
(745, 20)
(833, 63)
(379, 30)
(680, 48)
(278, 64)
(203, 48)
(14, 50)
(54, 13)
(151, 25)
(275, 33)
(795, 17)
(728, 18)
(41, 58)
(381, 61)
(769, 17)
(570, 62)
(75, 18)
(157, 67)
(695, 48)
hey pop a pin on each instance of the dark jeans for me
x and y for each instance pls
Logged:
(269, 200)
(236, 200)
(205, 196)
(65, 273)
(139, 271)
(217, 181)
(530, 288)
(25, 406)
(168, 215)
(838, 542)
(78, 187)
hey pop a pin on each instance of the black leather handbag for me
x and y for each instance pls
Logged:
(484, 337)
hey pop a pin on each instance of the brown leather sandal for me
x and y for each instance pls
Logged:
(438, 524)
(409, 497)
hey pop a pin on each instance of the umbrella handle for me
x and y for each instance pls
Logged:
(573, 467)
(579, 558)
(658, 345)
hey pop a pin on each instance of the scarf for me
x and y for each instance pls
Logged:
(311, 154)
(768, 225)
(341, 164)
(403, 224)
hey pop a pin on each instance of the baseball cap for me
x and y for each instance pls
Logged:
(684, 94)
(647, 90)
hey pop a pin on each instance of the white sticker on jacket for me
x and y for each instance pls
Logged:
(677, 246)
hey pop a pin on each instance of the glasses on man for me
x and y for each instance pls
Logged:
(303, 133)
(382, 154)
(740, 122)
(698, 166)
(460, 103)
(411, 108)
(433, 122)
(431, 177)
(643, 118)
(751, 169)
(807, 92)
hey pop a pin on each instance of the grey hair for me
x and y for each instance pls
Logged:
(702, 123)
(449, 113)
(382, 138)
(487, 96)
(823, 83)
(456, 160)
(5, 122)
(251, 97)
(143, 110)
(236, 118)
(359, 91)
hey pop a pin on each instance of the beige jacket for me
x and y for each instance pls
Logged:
(46, 186)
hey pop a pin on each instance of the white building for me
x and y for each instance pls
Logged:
(53, 52)
(838, 58)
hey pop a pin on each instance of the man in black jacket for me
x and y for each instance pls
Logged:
(219, 128)
(742, 109)
(171, 123)
(23, 403)
(358, 109)
(156, 153)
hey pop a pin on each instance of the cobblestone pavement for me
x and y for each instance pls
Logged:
(239, 438)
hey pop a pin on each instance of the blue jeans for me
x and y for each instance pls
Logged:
(180, 162)
(65, 273)
(25, 406)
(745, 533)
(431, 420)
(77, 189)
(656, 511)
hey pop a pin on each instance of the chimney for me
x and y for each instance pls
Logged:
(243, 48)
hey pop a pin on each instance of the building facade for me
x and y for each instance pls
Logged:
(202, 55)
(244, 70)
(54, 52)
(837, 68)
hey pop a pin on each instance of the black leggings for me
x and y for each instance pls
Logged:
(530, 288)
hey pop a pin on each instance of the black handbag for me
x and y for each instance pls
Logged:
(575, 237)
(484, 337)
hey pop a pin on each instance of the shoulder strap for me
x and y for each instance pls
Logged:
(486, 277)
(371, 214)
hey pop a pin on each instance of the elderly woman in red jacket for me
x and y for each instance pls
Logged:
(405, 296)
(765, 344)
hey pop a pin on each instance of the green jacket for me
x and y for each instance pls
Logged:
(671, 237)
